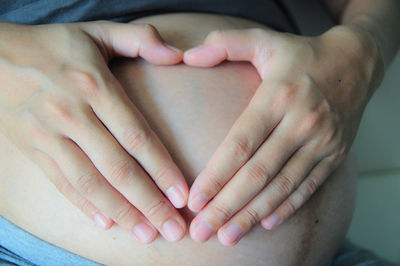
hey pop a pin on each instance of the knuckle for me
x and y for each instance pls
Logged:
(121, 173)
(257, 174)
(62, 186)
(252, 216)
(290, 207)
(310, 122)
(270, 204)
(163, 175)
(342, 150)
(287, 92)
(223, 212)
(61, 111)
(87, 83)
(213, 179)
(332, 138)
(156, 208)
(149, 29)
(87, 183)
(330, 134)
(84, 205)
(284, 96)
(340, 153)
(285, 184)
(136, 139)
(240, 148)
(311, 187)
(263, 55)
(125, 213)
(215, 35)
(325, 106)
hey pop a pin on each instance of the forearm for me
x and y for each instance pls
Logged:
(380, 18)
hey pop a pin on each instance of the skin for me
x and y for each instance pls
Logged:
(300, 123)
(380, 20)
(71, 116)
(191, 110)
(111, 175)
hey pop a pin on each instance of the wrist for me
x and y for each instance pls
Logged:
(358, 44)
(367, 29)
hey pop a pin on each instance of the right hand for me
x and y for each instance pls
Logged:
(63, 108)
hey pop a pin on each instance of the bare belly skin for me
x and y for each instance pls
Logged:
(191, 110)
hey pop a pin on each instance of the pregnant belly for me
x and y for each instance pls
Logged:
(191, 110)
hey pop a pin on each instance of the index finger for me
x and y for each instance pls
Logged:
(236, 149)
(119, 115)
(128, 126)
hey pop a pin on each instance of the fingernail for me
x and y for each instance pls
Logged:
(272, 221)
(198, 202)
(143, 232)
(173, 48)
(171, 230)
(102, 220)
(203, 231)
(194, 49)
(232, 232)
(175, 195)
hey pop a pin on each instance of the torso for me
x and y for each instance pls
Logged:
(191, 110)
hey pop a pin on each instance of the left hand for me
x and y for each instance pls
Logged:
(297, 128)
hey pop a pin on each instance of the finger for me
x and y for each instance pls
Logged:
(132, 40)
(53, 172)
(127, 176)
(86, 179)
(237, 147)
(307, 188)
(130, 129)
(253, 45)
(279, 189)
(253, 176)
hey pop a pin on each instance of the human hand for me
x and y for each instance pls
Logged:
(295, 131)
(63, 108)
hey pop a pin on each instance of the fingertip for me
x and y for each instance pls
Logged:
(193, 50)
(162, 55)
(272, 221)
(145, 233)
(173, 230)
(110, 224)
(200, 230)
(226, 237)
(202, 56)
(174, 49)
(103, 221)
(177, 195)
(176, 55)
(198, 202)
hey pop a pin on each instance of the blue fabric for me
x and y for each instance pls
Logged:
(268, 12)
(18, 247)
(350, 254)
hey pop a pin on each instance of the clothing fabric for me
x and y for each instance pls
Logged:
(269, 12)
(351, 254)
(25, 249)
(18, 247)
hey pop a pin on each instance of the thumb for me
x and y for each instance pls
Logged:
(132, 40)
(234, 45)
